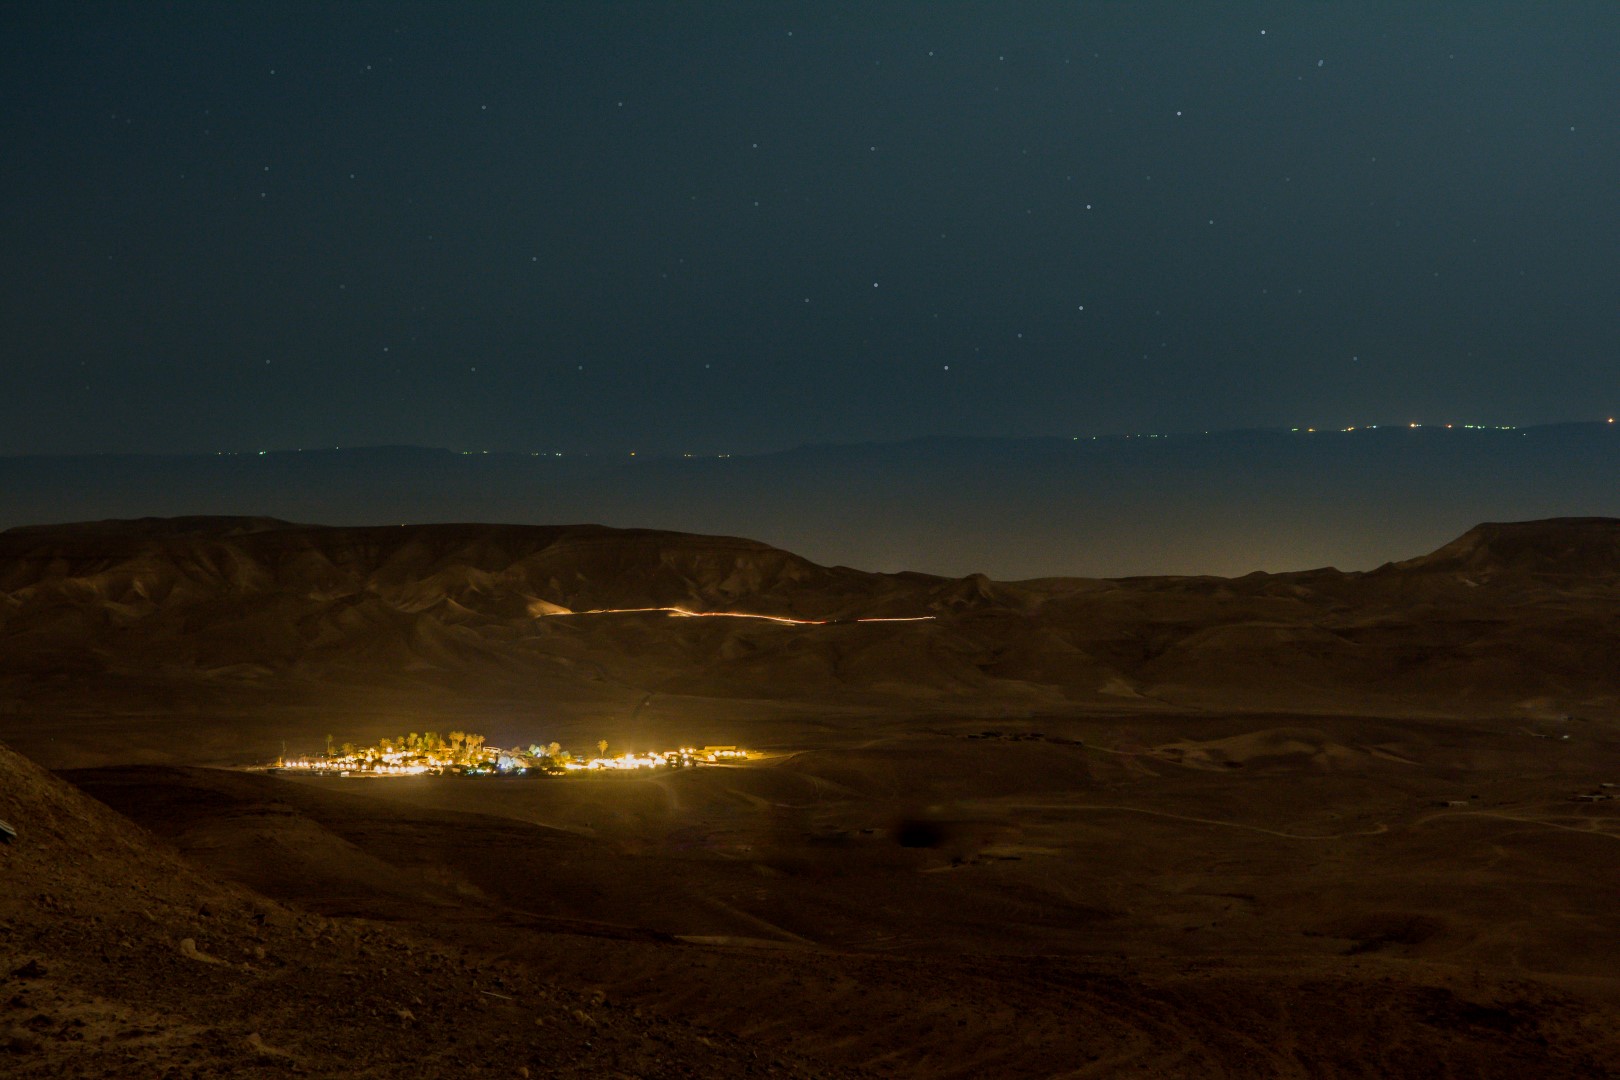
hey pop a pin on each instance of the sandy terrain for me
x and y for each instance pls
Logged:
(1299, 825)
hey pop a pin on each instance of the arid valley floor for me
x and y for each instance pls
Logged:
(1319, 824)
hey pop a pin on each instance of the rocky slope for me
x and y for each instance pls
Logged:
(165, 612)
(119, 958)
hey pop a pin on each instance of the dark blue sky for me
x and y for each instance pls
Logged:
(741, 227)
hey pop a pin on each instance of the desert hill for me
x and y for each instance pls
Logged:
(1587, 549)
(200, 614)
(750, 902)
(151, 561)
(120, 958)
(1323, 823)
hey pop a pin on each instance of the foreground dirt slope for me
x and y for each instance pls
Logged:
(119, 959)
(923, 990)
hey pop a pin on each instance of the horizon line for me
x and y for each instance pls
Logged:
(626, 456)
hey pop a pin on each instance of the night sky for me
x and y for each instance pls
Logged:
(717, 228)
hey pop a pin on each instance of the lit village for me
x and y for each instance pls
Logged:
(465, 754)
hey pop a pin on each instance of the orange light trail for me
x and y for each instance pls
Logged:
(683, 613)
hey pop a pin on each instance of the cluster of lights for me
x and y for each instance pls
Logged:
(1466, 427)
(1073, 438)
(683, 758)
(631, 762)
(392, 763)
(491, 759)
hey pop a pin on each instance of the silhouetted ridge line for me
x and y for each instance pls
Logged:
(1575, 546)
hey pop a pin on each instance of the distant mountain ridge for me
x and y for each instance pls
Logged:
(1514, 616)
(1225, 503)
(534, 569)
